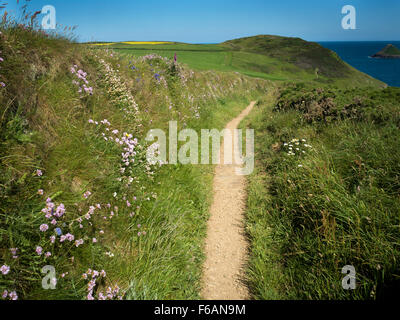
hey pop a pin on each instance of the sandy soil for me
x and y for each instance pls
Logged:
(226, 246)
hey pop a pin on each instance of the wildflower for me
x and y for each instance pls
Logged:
(39, 250)
(78, 242)
(47, 254)
(52, 239)
(40, 191)
(5, 294)
(2, 84)
(94, 240)
(5, 269)
(13, 295)
(60, 211)
(87, 194)
(58, 231)
(39, 173)
(44, 227)
(70, 237)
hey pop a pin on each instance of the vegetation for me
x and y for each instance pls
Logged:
(325, 193)
(390, 51)
(112, 226)
(77, 192)
(268, 57)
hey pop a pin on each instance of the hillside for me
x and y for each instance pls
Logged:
(268, 57)
(78, 194)
(76, 190)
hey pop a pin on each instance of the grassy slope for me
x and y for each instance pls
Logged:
(44, 125)
(337, 204)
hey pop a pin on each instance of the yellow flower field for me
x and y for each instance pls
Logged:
(145, 42)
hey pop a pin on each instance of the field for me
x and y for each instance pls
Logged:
(256, 61)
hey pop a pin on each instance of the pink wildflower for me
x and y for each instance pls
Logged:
(44, 227)
(5, 269)
(39, 250)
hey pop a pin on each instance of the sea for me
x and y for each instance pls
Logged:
(358, 54)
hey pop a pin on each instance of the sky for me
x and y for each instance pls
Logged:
(214, 21)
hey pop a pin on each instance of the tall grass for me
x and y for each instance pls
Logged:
(336, 204)
(141, 224)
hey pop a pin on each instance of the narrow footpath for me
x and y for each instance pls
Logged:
(226, 245)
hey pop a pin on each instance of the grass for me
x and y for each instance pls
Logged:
(310, 214)
(149, 238)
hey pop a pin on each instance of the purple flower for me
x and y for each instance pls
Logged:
(44, 227)
(13, 295)
(87, 194)
(39, 173)
(5, 269)
(39, 250)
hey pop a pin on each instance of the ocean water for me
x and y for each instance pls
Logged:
(357, 54)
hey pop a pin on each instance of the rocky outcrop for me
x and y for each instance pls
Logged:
(389, 52)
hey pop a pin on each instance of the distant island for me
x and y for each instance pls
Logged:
(389, 52)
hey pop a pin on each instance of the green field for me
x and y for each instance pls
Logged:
(283, 59)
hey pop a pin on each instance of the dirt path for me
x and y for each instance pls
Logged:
(226, 245)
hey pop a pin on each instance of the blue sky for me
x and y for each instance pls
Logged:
(211, 21)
